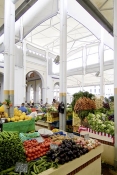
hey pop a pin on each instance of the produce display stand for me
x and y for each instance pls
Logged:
(21, 126)
(108, 145)
(42, 124)
(88, 164)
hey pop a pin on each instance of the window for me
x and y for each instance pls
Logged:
(90, 90)
(95, 90)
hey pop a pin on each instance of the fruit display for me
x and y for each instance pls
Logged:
(99, 122)
(11, 150)
(2, 109)
(18, 116)
(55, 130)
(34, 149)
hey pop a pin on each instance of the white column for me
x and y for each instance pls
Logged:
(47, 77)
(84, 57)
(12, 61)
(63, 61)
(24, 71)
(9, 44)
(6, 48)
(101, 55)
(115, 78)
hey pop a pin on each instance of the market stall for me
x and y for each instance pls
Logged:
(55, 154)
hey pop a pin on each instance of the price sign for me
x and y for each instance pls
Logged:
(86, 136)
(21, 167)
(71, 135)
(53, 146)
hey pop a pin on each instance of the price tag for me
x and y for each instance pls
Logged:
(86, 136)
(71, 135)
(21, 167)
(53, 146)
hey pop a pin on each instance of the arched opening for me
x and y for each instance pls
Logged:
(34, 83)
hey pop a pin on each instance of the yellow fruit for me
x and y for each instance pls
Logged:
(20, 120)
(8, 119)
(22, 117)
(26, 117)
(6, 114)
(2, 109)
(12, 119)
(23, 113)
(29, 117)
(16, 118)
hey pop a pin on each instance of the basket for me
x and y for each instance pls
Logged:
(52, 117)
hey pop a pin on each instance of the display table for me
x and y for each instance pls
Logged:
(88, 164)
(42, 124)
(21, 126)
(107, 142)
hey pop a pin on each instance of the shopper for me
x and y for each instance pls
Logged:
(22, 108)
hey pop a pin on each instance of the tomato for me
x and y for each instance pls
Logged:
(28, 159)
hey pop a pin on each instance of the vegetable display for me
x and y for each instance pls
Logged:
(80, 94)
(52, 109)
(34, 150)
(66, 152)
(11, 150)
(99, 122)
(34, 167)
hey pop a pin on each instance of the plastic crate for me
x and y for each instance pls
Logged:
(52, 117)
(76, 121)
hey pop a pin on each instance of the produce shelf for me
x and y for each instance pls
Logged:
(80, 166)
(107, 142)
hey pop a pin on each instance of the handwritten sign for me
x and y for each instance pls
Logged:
(53, 146)
(71, 135)
(86, 136)
(21, 167)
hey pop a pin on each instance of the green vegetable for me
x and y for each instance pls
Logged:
(11, 150)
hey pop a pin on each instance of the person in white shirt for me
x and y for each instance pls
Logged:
(34, 114)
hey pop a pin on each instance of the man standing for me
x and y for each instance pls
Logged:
(22, 108)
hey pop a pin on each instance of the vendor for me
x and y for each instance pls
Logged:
(23, 108)
(34, 114)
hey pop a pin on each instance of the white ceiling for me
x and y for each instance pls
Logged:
(47, 35)
(2, 9)
(105, 7)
